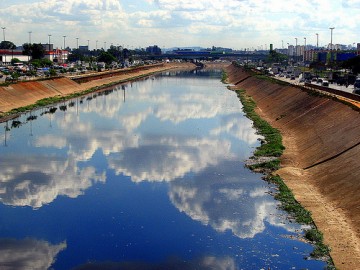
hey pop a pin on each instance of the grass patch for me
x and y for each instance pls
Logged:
(224, 77)
(273, 142)
(288, 202)
(273, 147)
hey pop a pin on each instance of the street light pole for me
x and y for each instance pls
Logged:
(331, 31)
(3, 28)
(77, 43)
(317, 41)
(29, 45)
(296, 49)
(88, 44)
(304, 49)
(64, 50)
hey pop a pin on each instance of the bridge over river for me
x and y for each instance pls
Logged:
(207, 55)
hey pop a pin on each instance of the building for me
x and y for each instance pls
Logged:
(7, 55)
(153, 50)
(57, 55)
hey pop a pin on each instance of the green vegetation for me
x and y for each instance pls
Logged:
(272, 147)
(224, 77)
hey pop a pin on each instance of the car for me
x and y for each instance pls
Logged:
(325, 83)
(356, 91)
(292, 77)
(357, 86)
(319, 81)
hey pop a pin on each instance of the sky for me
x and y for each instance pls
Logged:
(235, 24)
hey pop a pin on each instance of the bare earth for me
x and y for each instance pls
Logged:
(321, 161)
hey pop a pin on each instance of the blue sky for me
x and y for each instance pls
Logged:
(168, 23)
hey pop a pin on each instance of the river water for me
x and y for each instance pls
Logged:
(147, 175)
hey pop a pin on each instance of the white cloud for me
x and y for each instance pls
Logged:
(28, 254)
(231, 23)
(224, 198)
(39, 180)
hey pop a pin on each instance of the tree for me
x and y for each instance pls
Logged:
(7, 45)
(37, 51)
(275, 57)
(15, 60)
(76, 55)
(106, 57)
(353, 64)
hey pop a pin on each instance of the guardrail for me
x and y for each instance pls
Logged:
(333, 91)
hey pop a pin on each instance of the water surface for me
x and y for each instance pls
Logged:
(148, 175)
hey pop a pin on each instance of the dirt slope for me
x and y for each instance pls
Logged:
(321, 163)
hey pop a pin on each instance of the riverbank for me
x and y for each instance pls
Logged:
(18, 97)
(320, 161)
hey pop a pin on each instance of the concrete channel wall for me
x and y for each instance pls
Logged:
(22, 94)
(321, 163)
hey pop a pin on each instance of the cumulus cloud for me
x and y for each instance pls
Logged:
(227, 197)
(28, 254)
(181, 22)
(37, 180)
(165, 158)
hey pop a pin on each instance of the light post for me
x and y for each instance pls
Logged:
(77, 43)
(331, 31)
(304, 49)
(64, 49)
(29, 45)
(317, 41)
(3, 28)
(331, 46)
(88, 44)
(49, 41)
(296, 49)
(288, 50)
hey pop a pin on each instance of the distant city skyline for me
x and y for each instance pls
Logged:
(234, 24)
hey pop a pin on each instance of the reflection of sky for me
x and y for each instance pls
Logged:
(174, 145)
(161, 132)
(28, 254)
(226, 197)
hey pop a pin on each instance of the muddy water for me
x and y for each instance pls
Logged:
(148, 175)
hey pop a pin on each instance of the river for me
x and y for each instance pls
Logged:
(146, 175)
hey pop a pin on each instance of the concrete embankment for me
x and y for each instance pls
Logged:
(321, 162)
(26, 93)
